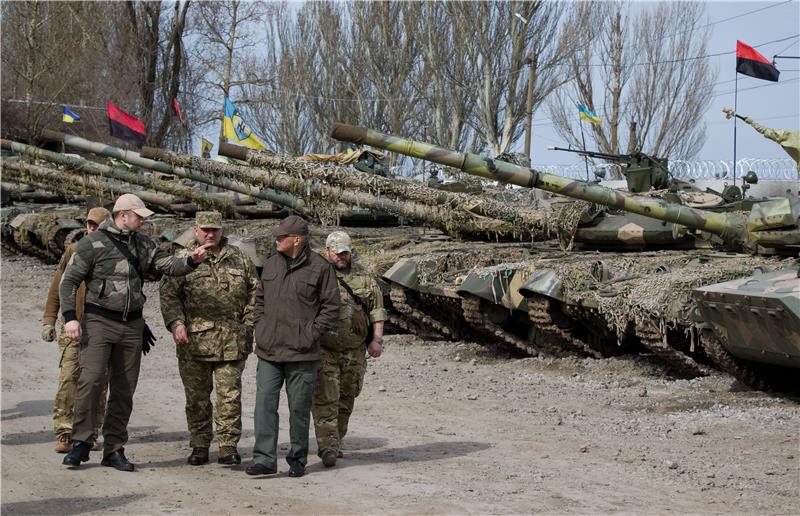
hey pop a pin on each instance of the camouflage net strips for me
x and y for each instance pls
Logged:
(650, 287)
(526, 222)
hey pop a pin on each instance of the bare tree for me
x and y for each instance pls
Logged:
(651, 72)
(225, 35)
(500, 37)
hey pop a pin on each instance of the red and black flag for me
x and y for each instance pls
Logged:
(749, 62)
(125, 126)
(177, 108)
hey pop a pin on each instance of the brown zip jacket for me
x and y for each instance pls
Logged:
(295, 306)
(53, 303)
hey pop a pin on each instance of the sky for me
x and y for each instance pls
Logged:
(776, 105)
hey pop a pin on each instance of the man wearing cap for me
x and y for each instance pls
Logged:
(210, 314)
(68, 348)
(297, 302)
(113, 262)
(343, 363)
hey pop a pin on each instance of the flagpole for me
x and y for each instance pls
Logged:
(585, 157)
(735, 109)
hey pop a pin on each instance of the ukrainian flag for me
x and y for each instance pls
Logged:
(236, 130)
(589, 116)
(69, 116)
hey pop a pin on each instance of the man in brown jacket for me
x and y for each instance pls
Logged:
(68, 348)
(297, 301)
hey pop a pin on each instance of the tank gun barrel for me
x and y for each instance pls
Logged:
(730, 227)
(592, 154)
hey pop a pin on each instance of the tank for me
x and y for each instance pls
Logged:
(650, 300)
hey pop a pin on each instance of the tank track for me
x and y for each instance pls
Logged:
(739, 369)
(653, 339)
(471, 306)
(399, 322)
(400, 302)
(553, 336)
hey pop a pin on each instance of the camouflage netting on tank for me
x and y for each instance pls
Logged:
(439, 260)
(651, 287)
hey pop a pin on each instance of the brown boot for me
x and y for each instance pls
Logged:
(64, 444)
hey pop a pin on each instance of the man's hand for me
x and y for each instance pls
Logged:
(179, 334)
(375, 349)
(48, 333)
(199, 255)
(73, 330)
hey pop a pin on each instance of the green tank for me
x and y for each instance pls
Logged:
(632, 300)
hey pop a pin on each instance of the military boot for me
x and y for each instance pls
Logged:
(329, 457)
(198, 457)
(79, 453)
(64, 443)
(229, 455)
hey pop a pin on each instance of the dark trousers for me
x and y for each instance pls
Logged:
(117, 347)
(300, 378)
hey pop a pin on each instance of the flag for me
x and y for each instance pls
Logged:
(589, 116)
(749, 62)
(205, 148)
(236, 130)
(177, 109)
(125, 126)
(69, 116)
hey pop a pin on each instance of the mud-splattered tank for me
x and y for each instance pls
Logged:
(644, 299)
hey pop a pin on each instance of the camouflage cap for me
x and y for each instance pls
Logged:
(208, 220)
(339, 242)
(97, 215)
(291, 225)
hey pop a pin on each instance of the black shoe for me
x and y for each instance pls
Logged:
(296, 469)
(340, 455)
(198, 457)
(258, 468)
(79, 453)
(118, 461)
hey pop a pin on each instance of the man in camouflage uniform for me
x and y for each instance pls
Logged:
(68, 348)
(210, 314)
(343, 362)
(113, 262)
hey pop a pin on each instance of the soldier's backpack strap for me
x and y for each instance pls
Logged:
(122, 248)
(364, 306)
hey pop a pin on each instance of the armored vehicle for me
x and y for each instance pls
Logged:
(659, 300)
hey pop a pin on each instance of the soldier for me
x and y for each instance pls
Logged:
(210, 314)
(343, 362)
(297, 301)
(113, 262)
(68, 349)
(786, 138)
(433, 178)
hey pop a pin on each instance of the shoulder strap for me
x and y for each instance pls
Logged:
(133, 260)
(358, 300)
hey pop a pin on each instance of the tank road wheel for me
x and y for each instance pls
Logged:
(655, 341)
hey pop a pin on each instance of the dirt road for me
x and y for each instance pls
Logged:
(440, 428)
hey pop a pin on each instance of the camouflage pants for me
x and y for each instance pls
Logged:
(67, 381)
(199, 378)
(339, 381)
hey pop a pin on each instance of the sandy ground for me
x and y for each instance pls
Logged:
(439, 428)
